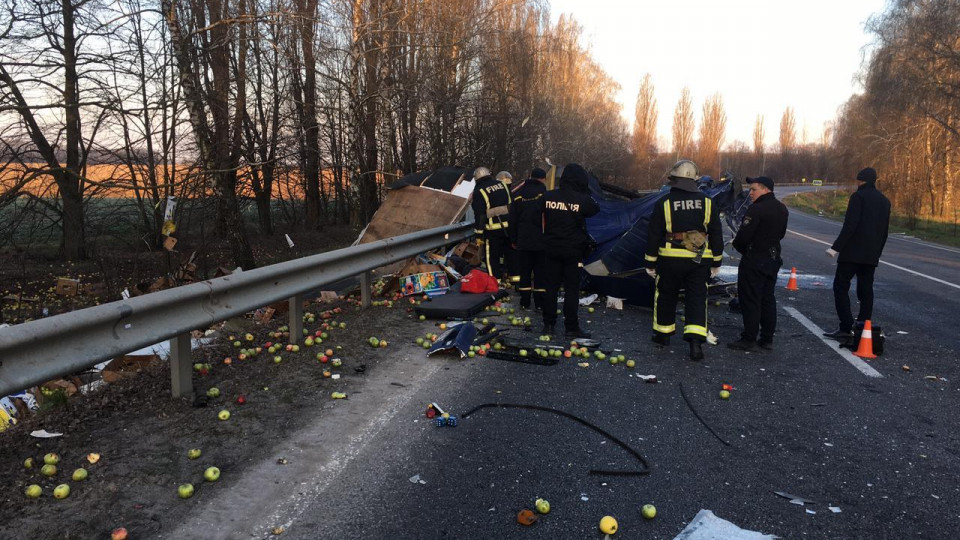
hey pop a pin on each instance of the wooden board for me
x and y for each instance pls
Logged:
(412, 209)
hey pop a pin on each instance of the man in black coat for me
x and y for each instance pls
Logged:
(684, 249)
(758, 240)
(563, 212)
(859, 246)
(526, 235)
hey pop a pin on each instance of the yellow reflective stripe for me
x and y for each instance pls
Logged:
(670, 251)
(487, 259)
(718, 257)
(539, 290)
(496, 226)
(695, 329)
(524, 288)
(666, 329)
(651, 258)
(706, 215)
(666, 215)
(515, 279)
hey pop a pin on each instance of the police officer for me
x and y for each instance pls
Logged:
(563, 212)
(684, 249)
(526, 236)
(758, 240)
(491, 211)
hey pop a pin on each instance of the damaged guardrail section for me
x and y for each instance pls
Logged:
(41, 350)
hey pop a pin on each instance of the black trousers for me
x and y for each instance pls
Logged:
(531, 277)
(497, 244)
(562, 270)
(841, 292)
(755, 289)
(673, 274)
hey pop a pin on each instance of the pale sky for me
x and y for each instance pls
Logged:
(761, 55)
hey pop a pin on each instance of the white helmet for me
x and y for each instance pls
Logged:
(505, 177)
(684, 169)
(480, 172)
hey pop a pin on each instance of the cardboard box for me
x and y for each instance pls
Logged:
(169, 243)
(433, 282)
(94, 289)
(68, 286)
(469, 251)
(127, 366)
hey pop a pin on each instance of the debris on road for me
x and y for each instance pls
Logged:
(415, 479)
(526, 517)
(707, 526)
(794, 499)
(44, 434)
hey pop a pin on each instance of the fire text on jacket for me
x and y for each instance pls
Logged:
(688, 205)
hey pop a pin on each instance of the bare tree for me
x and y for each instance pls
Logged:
(683, 125)
(713, 130)
(645, 123)
(758, 149)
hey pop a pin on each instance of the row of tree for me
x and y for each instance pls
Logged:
(907, 121)
(220, 99)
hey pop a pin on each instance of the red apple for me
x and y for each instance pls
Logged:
(119, 534)
(241, 400)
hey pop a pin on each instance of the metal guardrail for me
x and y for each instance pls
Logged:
(38, 351)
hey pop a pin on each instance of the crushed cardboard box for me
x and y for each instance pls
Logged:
(127, 366)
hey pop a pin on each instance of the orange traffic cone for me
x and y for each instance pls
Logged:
(865, 349)
(792, 284)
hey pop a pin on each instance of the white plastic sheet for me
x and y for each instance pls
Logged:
(707, 526)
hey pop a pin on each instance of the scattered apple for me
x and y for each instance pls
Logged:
(228, 360)
(118, 534)
(649, 511)
(61, 492)
(295, 348)
(224, 415)
(724, 394)
(327, 374)
(212, 474)
(80, 475)
(33, 491)
(185, 491)
(237, 344)
(51, 459)
(194, 453)
(241, 399)
(248, 337)
(277, 359)
(28, 463)
(213, 392)
(608, 525)
(543, 506)
(423, 317)
(48, 470)
(631, 363)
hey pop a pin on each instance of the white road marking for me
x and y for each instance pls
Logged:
(892, 236)
(897, 266)
(854, 360)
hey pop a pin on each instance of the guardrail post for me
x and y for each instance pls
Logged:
(365, 286)
(181, 376)
(296, 319)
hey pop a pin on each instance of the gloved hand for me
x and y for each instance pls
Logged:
(652, 272)
(480, 242)
(831, 252)
(714, 271)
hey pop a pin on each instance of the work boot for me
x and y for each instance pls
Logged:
(576, 333)
(662, 340)
(744, 345)
(548, 329)
(765, 344)
(839, 334)
(696, 351)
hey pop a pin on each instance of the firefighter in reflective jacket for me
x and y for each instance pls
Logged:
(684, 249)
(491, 211)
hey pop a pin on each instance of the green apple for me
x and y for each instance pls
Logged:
(277, 359)
(649, 511)
(212, 474)
(237, 344)
(543, 506)
(423, 317)
(213, 392)
(28, 463)
(523, 352)
(80, 475)
(48, 470)
(185, 491)
(61, 492)
(589, 310)
(224, 415)
(336, 362)
(198, 366)
(631, 363)
(51, 459)
(193, 453)
(724, 394)
(33, 491)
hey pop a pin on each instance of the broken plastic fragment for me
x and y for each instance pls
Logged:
(834, 509)
(44, 434)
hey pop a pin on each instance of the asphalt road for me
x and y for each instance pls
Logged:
(884, 450)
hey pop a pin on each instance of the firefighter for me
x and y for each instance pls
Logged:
(491, 209)
(758, 240)
(563, 212)
(684, 249)
(526, 237)
(510, 256)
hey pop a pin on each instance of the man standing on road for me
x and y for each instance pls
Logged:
(563, 212)
(859, 246)
(758, 240)
(684, 249)
(526, 235)
(491, 202)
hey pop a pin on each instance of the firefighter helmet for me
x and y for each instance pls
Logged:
(505, 177)
(480, 172)
(684, 169)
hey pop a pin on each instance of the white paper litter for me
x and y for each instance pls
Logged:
(615, 303)
(811, 512)
(289, 241)
(415, 479)
(44, 434)
(834, 509)
(583, 497)
(587, 300)
(707, 526)
(902, 332)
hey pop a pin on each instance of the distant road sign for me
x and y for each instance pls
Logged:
(817, 182)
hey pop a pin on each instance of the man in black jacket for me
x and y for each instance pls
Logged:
(563, 212)
(684, 248)
(526, 235)
(859, 246)
(758, 240)
(491, 209)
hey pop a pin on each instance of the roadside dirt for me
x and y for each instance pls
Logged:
(143, 435)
